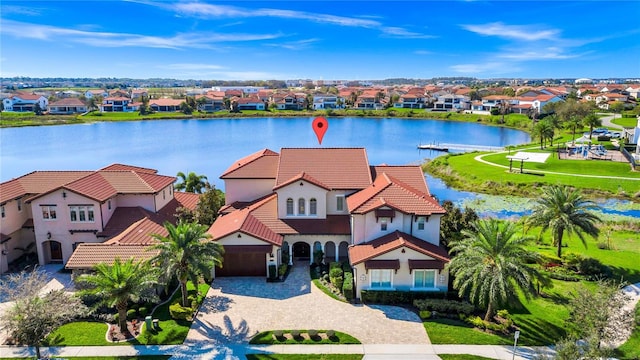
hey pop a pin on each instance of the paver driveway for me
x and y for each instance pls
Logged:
(237, 308)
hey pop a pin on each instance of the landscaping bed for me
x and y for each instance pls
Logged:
(303, 337)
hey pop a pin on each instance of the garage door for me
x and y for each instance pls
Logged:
(243, 264)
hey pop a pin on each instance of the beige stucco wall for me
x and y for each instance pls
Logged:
(305, 191)
(163, 197)
(146, 201)
(246, 189)
(402, 279)
(366, 227)
(332, 202)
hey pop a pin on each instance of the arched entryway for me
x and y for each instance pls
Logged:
(343, 251)
(301, 250)
(330, 251)
(52, 251)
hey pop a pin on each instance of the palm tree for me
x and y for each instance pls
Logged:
(192, 182)
(119, 283)
(490, 264)
(186, 253)
(562, 209)
(592, 120)
(543, 130)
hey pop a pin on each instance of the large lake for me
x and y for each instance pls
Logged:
(209, 146)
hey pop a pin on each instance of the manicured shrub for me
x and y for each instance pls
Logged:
(347, 286)
(331, 333)
(591, 266)
(178, 312)
(403, 297)
(312, 333)
(337, 282)
(425, 314)
(283, 269)
(131, 314)
(272, 271)
(346, 267)
(335, 265)
(335, 272)
(445, 306)
(142, 311)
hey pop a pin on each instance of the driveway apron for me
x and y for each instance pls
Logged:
(237, 308)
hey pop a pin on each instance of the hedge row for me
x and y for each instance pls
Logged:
(445, 306)
(403, 297)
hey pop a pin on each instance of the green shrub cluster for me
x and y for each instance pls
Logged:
(283, 269)
(131, 314)
(347, 286)
(585, 265)
(403, 297)
(502, 325)
(445, 306)
(336, 275)
(179, 312)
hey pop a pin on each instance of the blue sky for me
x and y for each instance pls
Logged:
(247, 40)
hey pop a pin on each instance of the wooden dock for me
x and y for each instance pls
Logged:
(460, 147)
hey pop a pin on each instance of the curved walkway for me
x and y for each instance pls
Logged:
(238, 308)
(607, 121)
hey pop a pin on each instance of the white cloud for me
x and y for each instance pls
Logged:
(111, 39)
(551, 53)
(517, 32)
(486, 68)
(296, 45)
(422, 52)
(21, 10)
(404, 33)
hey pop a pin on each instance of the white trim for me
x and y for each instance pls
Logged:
(435, 280)
(371, 272)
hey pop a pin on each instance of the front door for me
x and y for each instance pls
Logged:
(301, 250)
(55, 250)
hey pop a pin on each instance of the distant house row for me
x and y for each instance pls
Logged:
(454, 98)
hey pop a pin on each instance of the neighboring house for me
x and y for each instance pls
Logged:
(68, 106)
(25, 102)
(137, 94)
(118, 104)
(412, 101)
(281, 208)
(535, 103)
(369, 100)
(328, 101)
(165, 105)
(89, 94)
(211, 103)
(59, 210)
(249, 103)
(452, 102)
(287, 101)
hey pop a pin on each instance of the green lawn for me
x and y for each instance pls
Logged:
(461, 357)
(304, 357)
(466, 173)
(626, 122)
(267, 337)
(449, 331)
(93, 333)
(631, 349)
(147, 357)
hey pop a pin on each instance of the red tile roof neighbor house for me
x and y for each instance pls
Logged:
(393, 241)
(259, 165)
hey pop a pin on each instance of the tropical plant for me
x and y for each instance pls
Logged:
(34, 314)
(591, 120)
(562, 209)
(543, 130)
(454, 221)
(490, 264)
(192, 182)
(186, 253)
(119, 283)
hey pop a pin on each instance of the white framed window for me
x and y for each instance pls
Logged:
(49, 212)
(381, 278)
(2, 213)
(424, 279)
(81, 213)
(19, 201)
(383, 224)
(313, 207)
(340, 203)
(289, 206)
(301, 206)
(421, 221)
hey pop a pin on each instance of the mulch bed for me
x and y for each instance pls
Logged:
(133, 330)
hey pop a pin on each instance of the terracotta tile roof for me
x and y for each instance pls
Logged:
(139, 233)
(27, 96)
(37, 182)
(186, 200)
(337, 168)
(166, 102)
(303, 176)
(130, 167)
(86, 255)
(244, 221)
(409, 174)
(123, 217)
(389, 191)
(68, 102)
(393, 241)
(259, 165)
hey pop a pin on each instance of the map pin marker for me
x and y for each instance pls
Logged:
(320, 126)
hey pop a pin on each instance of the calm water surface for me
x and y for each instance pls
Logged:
(209, 146)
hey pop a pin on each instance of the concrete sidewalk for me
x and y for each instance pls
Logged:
(205, 350)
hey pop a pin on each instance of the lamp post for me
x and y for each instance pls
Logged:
(516, 335)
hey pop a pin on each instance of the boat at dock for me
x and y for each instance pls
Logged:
(433, 147)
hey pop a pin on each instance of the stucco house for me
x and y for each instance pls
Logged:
(281, 207)
(58, 211)
(22, 101)
(68, 106)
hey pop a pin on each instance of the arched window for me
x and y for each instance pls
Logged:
(289, 206)
(313, 207)
(301, 204)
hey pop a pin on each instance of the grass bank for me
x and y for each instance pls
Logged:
(9, 119)
(464, 172)
(269, 338)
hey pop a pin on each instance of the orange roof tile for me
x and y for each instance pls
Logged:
(37, 182)
(259, 165)
(393, 241)
(337, 168)
(130, 167)
(302, 176)
(87, 255)
(411, 175)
